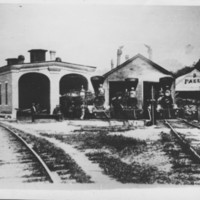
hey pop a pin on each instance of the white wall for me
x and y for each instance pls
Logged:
(188, 82)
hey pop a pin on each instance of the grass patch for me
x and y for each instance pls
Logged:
(56, 159)
(126, 173)
(99, 140)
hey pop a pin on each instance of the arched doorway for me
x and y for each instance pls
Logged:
(72, 82)
(70, 87)
(34, 88)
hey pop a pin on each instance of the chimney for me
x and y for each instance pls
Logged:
(12, 61)
(37, 55)
(52, 55)
(58, 59)
(21, 59)
(112, 64)
(126, 57)
(119, 53)
(149, 51)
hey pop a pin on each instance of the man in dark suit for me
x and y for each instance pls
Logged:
(33, 112)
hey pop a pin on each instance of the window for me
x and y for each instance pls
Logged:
(6, 93)
(0, 95)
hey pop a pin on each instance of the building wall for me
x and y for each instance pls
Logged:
(188, 82)
(54, 74)
(6, 78)
(138, 68)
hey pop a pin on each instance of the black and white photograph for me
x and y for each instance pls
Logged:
(99, 97)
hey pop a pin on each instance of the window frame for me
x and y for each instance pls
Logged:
(6, 93)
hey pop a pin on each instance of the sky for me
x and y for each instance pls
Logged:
(90, 34)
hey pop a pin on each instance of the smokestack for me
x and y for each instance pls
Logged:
(12, 61)
(52, 55)
(112, 64)
(119, 53)
(37, 55)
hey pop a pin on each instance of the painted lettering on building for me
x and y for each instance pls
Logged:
(192, 80)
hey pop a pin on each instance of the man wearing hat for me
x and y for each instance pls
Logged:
(132, 98)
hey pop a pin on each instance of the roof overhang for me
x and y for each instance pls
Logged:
(50, 65)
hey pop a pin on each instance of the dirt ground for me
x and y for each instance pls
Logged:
(141, 155)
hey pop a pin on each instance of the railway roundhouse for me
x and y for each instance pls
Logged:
(39, 81)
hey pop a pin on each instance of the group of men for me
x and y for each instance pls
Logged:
(165, 104)
(120, 102)
(57, 111)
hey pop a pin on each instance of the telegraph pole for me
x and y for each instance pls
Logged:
(153, 117)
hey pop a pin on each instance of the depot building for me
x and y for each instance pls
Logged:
(39, 81)
(138, 67)
(188, 85)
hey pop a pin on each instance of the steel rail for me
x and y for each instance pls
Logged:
(193, 125)
(51, 177)
(182, 140)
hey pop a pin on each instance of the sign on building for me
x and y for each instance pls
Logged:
(188, 82)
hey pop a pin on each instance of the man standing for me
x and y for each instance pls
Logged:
(33, 112)
(132, 98)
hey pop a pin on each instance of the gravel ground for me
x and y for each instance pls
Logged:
(145, 155)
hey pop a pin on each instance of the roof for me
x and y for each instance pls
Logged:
(47, 64)
(31, 50)
(143, 58)
(184, 71)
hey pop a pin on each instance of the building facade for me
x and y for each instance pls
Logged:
(187, 86)
(138, 67)
(40, 81)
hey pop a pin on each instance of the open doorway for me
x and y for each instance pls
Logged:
(34, 88)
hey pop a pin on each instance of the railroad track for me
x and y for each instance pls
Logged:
(19, 162)
(180, 124)
(191, 124)
(189, 139)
